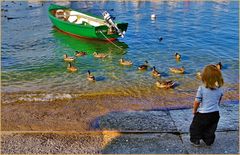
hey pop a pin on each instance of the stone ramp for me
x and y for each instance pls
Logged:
(229, 118)
(226, 142)
(114, 143)
(147, 121)
(163, 120)
(135, 132)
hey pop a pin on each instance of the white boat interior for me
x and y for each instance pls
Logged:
(77, 17)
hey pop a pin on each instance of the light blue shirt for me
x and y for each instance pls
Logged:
(209, 99)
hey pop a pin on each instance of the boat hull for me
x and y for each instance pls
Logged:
(84, 30)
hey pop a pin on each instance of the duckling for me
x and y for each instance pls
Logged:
(99, 55)
(90, 77)
(79, 54)
(67, 58)
(125, 62)
(143, 67)
(165, 84)
(71, 68)
(177, 70)
(177, 56)
(155, 72)
(219, 65)
(199, 75)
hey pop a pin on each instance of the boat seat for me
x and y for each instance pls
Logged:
(62, 14)
(81, 20)
(59, 13)
(72, 19)
(93, 23)
(91, 20)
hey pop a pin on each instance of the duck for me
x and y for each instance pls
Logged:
(160, 39)
(155, 72)
(165, 84)
(177, 56)
(67, 58)
(199, 75)
(177, 70)
(79, 54)
(90, 77)
(219, 65)
(143, 67)
(99, 55)
(125, 62)
(71, 68)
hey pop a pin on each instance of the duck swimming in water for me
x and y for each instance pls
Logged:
(125, 62)
(79, 54)
(143, 67)
(165, 84)
(99, 55)
(219, 65)
(90, 77)
(177, 70)
(71, 68)
(160, 39)
(155, 72)
(177, 56)
(67, 58)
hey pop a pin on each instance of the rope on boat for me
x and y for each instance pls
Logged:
(111, 41)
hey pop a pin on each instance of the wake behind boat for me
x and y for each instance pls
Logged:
(84, 25)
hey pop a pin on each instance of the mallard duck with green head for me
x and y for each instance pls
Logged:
(155, 72)
(144, 66)
(90, 77)
(177, 56)
(71, 68)
(80, 53)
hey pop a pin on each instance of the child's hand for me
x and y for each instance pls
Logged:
(194, 112)
(195, 107)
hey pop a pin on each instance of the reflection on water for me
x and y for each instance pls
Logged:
(32, 51)
(87, 45)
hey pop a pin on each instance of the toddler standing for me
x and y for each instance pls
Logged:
(206, 107)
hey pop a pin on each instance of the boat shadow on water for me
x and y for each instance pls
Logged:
(88, 45)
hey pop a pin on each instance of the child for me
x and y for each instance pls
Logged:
(205, 107)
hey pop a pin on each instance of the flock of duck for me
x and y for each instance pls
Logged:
(144, 67)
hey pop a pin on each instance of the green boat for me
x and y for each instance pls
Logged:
(83, 25)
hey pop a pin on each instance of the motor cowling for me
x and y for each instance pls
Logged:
(109, 20)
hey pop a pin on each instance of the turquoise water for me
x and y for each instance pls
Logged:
(202, 32)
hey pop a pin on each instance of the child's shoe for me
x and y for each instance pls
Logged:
(209, 145)
(196, 143)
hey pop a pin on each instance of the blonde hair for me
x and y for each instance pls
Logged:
(212, 77)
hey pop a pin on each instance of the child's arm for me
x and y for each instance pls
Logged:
(222, 92)
(195, 107)
(220, 100)
(197, 100)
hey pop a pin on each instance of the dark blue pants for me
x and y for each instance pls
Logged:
(204, 126)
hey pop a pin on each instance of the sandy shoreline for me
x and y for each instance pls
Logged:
(77, 114)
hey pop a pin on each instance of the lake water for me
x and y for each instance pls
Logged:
(202, 32)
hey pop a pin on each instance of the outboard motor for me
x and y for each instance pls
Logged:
(109, 20)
